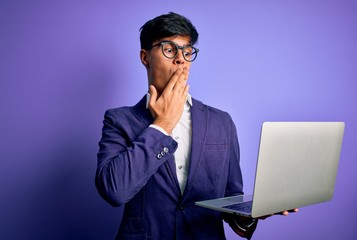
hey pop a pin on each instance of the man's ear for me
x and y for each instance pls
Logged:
(144, 57)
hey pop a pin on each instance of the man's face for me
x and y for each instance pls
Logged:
(160, 68)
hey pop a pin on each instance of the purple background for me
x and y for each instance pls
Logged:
(63, 63)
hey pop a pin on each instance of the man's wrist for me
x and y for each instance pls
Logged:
(159, 129)
(164, 125)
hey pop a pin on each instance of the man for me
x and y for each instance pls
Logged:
(170, 150)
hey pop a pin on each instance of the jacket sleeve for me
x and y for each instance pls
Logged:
(244, 227)
(124, 164)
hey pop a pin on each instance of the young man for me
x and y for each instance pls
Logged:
(170, 150)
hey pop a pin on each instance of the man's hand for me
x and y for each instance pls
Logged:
(168, 107)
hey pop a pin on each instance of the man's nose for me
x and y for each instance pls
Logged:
(179, 58)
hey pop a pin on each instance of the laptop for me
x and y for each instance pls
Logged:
(297, 166)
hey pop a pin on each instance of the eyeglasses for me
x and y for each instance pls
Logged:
(170, 50)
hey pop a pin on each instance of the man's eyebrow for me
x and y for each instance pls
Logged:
(169, 41)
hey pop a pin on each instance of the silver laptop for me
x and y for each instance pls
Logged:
(297, 166)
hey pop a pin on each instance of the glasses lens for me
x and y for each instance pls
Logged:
(189, 53)
(169, 49)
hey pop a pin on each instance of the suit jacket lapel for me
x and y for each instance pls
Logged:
(199, 127)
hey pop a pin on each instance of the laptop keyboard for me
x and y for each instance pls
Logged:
(241, 207)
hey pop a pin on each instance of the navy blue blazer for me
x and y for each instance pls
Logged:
(136, 168)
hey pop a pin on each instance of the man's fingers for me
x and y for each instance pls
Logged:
(185, 92)
(152, 100)
(181, 83)
(173, 80)
(286, 213)
(187, 74)
(178, 80)
(153, 94)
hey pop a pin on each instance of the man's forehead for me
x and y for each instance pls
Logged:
(178, 39)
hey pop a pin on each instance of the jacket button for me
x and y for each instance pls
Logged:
(166, 150)
(159, 156)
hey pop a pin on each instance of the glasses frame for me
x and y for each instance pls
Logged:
(162, 43)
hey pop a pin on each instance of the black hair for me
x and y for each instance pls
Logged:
(166, 25)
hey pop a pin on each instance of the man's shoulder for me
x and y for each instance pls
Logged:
(118, 110)
(126, 112)
(218, 120)
(126, 109)
(211, 109)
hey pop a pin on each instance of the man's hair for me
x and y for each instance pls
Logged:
(166, 25)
